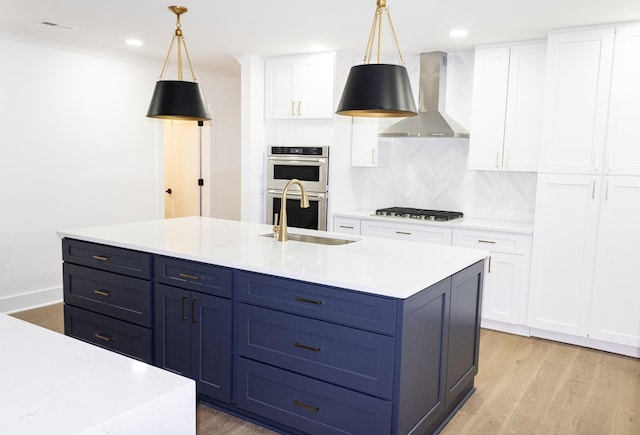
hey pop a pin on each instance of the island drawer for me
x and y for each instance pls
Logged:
(361, 310)
(350, 357)
(307, 404)
(191, 275)
(109, 258)
(109, 333)
(112, 294)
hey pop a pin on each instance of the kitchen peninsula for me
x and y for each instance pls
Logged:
(374, 336)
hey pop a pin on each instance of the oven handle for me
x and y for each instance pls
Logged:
(297, 160)
(293, 194)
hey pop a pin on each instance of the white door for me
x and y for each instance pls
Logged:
(563, 253)
(576, 100)
(524, 107)
(182, 167)
(623, 141)
(615, 314)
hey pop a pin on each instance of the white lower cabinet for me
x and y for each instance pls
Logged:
(583, 288)
(506, 283)
(615, 310)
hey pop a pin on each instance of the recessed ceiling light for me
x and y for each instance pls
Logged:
(459, 33)
(133, 42)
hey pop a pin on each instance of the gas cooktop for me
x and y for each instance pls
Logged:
(418, 213)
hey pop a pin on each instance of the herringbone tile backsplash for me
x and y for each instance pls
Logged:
(432, 173)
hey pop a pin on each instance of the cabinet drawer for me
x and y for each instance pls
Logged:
(191, 275)
(345, 356)
(493, 241)
(307, 404)
(109, 258)
(360, 310)
(116, 335)
(346, 225)
(123, 297)
(427, 233)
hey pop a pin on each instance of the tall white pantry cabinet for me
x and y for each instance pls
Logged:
(587, 219)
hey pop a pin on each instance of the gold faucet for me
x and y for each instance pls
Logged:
(304, 203)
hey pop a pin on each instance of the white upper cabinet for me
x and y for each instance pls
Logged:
(576, 100)
(299, 87)
(506, 116)
(623, 135)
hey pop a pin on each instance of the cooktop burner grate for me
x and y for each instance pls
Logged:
(418, 213)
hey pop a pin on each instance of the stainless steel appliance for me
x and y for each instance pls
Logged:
(419, 213)
(310, 165)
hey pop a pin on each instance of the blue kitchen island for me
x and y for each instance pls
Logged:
(375, 336)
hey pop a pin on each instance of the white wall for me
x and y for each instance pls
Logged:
(75, 150)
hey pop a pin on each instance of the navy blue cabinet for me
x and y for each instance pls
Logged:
(108, 297)
(193, 328)
(328, 360)
(295, 356)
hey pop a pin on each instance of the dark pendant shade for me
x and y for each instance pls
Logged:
(177, 99)
(377, 90)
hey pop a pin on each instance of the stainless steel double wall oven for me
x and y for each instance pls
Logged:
(310, 165)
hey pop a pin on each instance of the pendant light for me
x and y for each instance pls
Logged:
(377, 89)
(178, 99)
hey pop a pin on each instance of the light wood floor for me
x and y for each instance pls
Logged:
(524, 386)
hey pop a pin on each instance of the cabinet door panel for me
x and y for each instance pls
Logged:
(615, 314)
(210, 319)
(563, 253)
(315, 94)
(307, 404)
(524, 107)
(623, 142)
(123, 297)
(116, 335)
(576, 100)
(279, 89)
(318, 349)
(464, 332)
(172, 329)
(490, 78)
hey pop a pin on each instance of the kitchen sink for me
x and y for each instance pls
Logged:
(320, 240)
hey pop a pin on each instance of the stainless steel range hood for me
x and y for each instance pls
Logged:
(431, 120)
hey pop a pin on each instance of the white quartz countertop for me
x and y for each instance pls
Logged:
(380, 266)
(516, 227)
(54, 384)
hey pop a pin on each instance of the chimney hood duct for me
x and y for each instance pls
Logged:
(431, 120)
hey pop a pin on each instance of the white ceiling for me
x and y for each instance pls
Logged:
(215, 29)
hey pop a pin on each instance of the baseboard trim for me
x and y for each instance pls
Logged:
(506, 327)
(27, 301)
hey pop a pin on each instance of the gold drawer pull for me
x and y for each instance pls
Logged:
(406, 233)
(103, 337)
(487, 241)
(186, 275)
(308, 301)
(102, 293)
(100, 258)
(303, 346)
(305, 406)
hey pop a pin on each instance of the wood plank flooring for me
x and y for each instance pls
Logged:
(524, 386)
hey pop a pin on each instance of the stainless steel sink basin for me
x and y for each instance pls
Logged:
(314, 239)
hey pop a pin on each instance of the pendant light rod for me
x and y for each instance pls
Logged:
(179, 36)
(376, 27)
